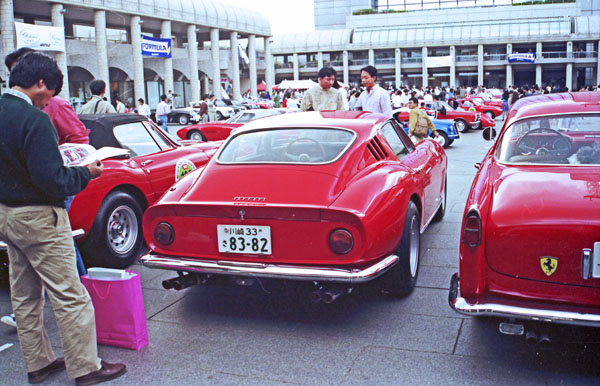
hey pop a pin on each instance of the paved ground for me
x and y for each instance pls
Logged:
(231, 336)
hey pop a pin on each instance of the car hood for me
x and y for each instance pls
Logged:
(539, 213)
(265, 185)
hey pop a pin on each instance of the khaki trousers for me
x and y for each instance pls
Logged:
(42, 257)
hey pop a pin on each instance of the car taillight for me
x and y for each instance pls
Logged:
(164, 233)
(472, 229)
(341, 241)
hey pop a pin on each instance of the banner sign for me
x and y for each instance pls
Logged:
(40, 37)
(527, 58)
(156, 47)
(438, 61)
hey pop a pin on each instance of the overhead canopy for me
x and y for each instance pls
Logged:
(296, 84)
(262, 86)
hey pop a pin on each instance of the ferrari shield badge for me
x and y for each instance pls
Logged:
(548, 264)
(183, 167)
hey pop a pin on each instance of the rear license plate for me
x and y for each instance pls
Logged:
(244, 239)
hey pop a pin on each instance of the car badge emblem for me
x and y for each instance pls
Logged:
(242, 213)
(548, 264)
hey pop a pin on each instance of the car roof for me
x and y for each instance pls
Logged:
(561, 103)
(359, 121)
(101, 127)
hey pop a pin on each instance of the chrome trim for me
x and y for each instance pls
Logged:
(460, 305)
(77, 233)
(586, 257)
(267, 270)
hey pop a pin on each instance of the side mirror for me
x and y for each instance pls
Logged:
(489, 133)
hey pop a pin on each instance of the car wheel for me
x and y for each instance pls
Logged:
(443, 139)
(183, 119)
(116, 235)
(400, 280)
(196, 135)
(461, 125)
(439, 215)
(450, 142)
(219, 116)
(490, 114)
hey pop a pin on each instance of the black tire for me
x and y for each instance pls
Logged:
(116, 235)
(461, 125)
(445, 141)
(183, 119)
(401, 279)
(219, 116)
(439, 215)
(196, 135)
(450, 142)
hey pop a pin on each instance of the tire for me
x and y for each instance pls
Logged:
(490, 114)
(219, 116)
(439, 215)
(183, 119)
(196, 135)
(450, 141)
(444, 141)
(116, 235)
(461, 125)
(401, 279)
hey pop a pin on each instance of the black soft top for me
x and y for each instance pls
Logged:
(101, 127)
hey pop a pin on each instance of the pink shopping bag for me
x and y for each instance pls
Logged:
(119, 308)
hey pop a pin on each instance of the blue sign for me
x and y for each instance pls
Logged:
(527, 58)
(156, 47)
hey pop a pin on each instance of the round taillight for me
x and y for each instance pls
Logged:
(164, 233)
(341, 241)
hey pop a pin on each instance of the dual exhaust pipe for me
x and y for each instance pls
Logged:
(543, 340)
(326, 296)
(181, 282)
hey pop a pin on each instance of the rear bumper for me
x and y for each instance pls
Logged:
(461, 306)
(273, 271)
(77, 233)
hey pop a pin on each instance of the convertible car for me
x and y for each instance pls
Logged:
(530, 240)
(463, 120)
(476, 103)
(445, 127)
(332, 199)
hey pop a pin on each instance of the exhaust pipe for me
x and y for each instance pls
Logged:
(181, 282)
(545, 341)
(531, 338)
(316, 296)
(331, 296)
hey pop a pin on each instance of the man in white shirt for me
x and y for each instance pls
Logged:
(143, 108)
(374, 98)
(404, 98)
(120, 107)
(162, 112)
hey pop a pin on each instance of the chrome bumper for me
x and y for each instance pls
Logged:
(461, 306)
(77, 233)
(273, 271)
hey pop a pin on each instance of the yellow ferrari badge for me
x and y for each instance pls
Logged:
(548, 264)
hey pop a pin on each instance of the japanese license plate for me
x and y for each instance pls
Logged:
(244, 239)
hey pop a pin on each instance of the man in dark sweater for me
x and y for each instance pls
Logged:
(35, 226)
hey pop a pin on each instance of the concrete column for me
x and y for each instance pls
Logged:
(371, 57)
(7, 28)
(204, 84)
(235, 65)
(58, 20)
(598, 65)
(509, 72)
(480, 65)
(425, 73)
(252, 70)
(269, 65)
(452, 66)
(216, 66)
(101, 48)
(295, 66)
(193, 55)
(569, 70)
(398, 65)
(345, 67)
(139, 90)
(538, 67)
(165, 33)
(319, 60)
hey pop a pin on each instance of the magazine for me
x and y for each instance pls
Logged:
(77, 154)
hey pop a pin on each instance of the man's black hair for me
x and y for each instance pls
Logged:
(436, 97)
(97, 86)
(163, 97)
(14, 56)
(33, 67)
(371, 70)
(326, 71)
(413, 99)
(141, 100)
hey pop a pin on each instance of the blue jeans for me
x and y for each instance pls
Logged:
(80, 266)
(163, 121)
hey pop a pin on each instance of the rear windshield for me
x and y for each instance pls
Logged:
(293, 145)
(564, 139)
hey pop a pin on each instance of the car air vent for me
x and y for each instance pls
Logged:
(376, 149)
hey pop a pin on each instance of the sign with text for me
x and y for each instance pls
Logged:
(40, 37)
(527, 58)
(156, 47)
(438, 61)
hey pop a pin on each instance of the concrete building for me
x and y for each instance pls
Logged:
(103, 39)
(464, 46)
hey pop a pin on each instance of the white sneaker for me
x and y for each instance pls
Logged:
(9, 320)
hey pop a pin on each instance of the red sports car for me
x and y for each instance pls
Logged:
(218, 131)
(110, 208)
(530, 241)
(331, 199)
(476, 102)
(463, 120)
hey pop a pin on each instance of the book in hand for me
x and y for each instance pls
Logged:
(77, 154)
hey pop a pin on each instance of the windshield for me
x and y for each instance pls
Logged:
(565, 139)
(293, 145)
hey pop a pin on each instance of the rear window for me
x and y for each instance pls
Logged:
(293, 145)
(560, 139)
